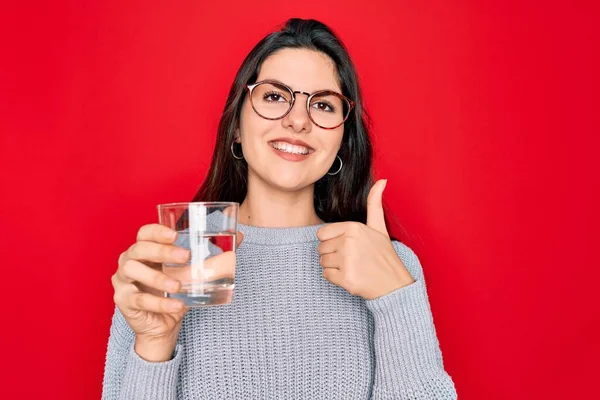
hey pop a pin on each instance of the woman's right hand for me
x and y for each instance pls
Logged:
(139, 285)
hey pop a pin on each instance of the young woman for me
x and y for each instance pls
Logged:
(326, 305)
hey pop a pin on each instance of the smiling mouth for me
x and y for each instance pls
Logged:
(290, 148)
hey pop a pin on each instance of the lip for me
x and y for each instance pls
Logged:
(295, 142)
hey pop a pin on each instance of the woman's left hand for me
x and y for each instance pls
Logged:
(361, 258)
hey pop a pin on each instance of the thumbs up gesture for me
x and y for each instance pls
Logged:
(361, 258)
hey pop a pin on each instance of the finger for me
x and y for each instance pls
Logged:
(333, 275)
(149, 302)
(330, 261)
(330, 231)
(147, 289)
(331, 245)
(220, 266)
(230, 211)
(213, 268)
(156, 233)
(156, 252)
(239, 236)
(375, 215)
(135, 271)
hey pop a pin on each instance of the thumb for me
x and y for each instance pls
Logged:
(375, 217)
(239, 236)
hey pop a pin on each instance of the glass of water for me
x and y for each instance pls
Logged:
(208, 230)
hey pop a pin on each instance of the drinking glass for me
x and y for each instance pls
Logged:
(208, 230)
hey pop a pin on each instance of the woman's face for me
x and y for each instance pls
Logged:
(291, 153)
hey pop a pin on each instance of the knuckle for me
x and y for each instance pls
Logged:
(129, 268)
(323, 260)
(134, 251)
(141, 233)
(118, 298)
(114, 279)
(122, 258)
(138, 301)
(347, 241)
(349, 280)
(157, 280)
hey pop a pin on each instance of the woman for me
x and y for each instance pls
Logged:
(326, 305)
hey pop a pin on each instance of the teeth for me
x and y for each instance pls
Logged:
(289, 148)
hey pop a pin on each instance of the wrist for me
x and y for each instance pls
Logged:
(399, 279)
(404, 279)
(155, 349)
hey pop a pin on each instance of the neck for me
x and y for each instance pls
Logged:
(267, 206)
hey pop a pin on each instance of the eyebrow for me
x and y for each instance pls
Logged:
(318, 90)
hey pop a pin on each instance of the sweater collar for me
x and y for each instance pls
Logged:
(272, 236)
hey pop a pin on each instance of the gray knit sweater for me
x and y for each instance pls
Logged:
(290, 334)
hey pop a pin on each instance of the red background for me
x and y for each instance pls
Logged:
(486, 118)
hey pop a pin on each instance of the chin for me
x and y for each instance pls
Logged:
(288, 182)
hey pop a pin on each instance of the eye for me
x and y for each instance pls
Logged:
(274, 97)
(323, 106)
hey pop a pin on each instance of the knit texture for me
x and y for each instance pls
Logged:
(290, 334)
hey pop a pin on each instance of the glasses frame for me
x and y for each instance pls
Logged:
(351, 104)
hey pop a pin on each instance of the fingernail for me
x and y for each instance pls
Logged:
(171, 235)
(181, 254)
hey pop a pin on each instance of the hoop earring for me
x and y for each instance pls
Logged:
(339, 169)
(233, 152)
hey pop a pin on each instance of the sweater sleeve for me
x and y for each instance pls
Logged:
(128, 376)
(408, 359)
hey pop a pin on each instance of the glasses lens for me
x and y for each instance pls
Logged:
(328, 109)
(271, 100)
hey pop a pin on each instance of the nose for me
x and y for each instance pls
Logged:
(298, 118)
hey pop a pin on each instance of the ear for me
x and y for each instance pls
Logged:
(237, 135)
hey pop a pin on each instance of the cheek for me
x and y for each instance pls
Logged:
(249, 124)
(329, 144)
(332, 141)
(253, 128)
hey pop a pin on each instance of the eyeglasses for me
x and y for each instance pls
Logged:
(274, 100)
